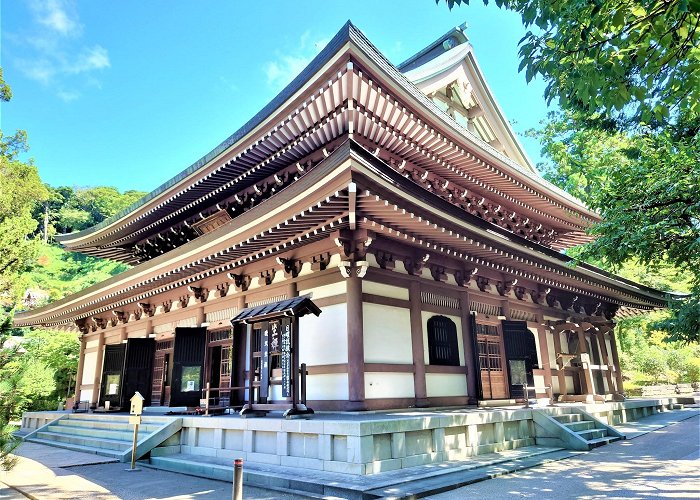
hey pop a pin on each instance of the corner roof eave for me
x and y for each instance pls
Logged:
(348, 39)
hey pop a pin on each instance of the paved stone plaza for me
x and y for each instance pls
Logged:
(661, 457)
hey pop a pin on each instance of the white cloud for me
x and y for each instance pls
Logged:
(52, 52)
(68, 95)
(57, 15)
(287, 66)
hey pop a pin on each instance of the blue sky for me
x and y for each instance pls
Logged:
(130, 93)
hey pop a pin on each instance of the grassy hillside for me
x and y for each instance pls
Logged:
(57, 273)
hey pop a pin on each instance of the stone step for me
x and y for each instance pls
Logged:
(602, 441)
(593, 434)
(122, 418)
(120, 435)
(113, 454)
(107, 444)
(567, 418)
(107, 426)
(583, 425)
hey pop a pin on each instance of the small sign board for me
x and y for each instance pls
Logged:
(137, 403)
(286, 359)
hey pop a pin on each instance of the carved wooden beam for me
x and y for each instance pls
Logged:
(148, 309)
(222, 288)
(504, 287)
(100, 322)
(167, 305)
(520, 292)
(438, 273)
(240, 281)
(200, 293)
(462, 277)
(82, 325)
(138, 312)
(385, 260)
(122, 316)
(184, 300)
(291, 267)
(415, 265)
(320, 262)
(483, 284)
(267, 276)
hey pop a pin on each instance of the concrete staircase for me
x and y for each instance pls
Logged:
(107, 435)
(572, 428)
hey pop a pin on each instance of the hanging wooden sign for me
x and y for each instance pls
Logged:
(286, 358)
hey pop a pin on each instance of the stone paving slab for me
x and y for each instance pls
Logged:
(637, 428)
(313, 479)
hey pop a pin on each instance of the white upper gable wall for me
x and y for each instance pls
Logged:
(439, 67)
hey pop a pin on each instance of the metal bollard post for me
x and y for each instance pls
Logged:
(237, 493)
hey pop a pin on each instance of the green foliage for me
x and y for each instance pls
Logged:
(56, 273)
(75, 209)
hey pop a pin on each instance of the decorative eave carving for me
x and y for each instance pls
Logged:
(520, 292)
(385, 260)
(267, 276)
(167, 305)
(462, 277)
(504, 287)
(438, 273)
(200, 293)
(483, 283)
(222, 288)
(320, 262)
(82, 326)
(122, 316)
(184, 300)
(415, 265)
(147, 308)
(101, 323)
(240, 281)
(291, 267)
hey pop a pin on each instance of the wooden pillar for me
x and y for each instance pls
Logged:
(472, 366)
(544, 351)
(585, 369)
(356, 350)
(96, 383)
(561, 375)
(79, 374)
(616, 362)
(603, 349)
(417, 346)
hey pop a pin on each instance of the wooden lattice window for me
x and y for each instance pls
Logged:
(443, 347)
(489, 355)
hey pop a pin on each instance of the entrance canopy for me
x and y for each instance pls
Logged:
(296, 307)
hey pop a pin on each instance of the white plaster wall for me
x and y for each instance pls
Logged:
(89, 367)
(446, 384)
(389, 385)
(330, 386)
(569, 384)
(331, 290)
(552, 351)
(425, 316)
(394, 292)
(608, 347)
(540, 360)
(138, 334)
(387, 334)
(86, 395)
(91, 343)
(539, 383)
(323, 340)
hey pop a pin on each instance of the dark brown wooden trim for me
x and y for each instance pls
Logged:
(417, 346)
(327, 369)
(468, 343)
(356, 354)
(385, 301)
(459, 370)
(389, 368)
(330, 301)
